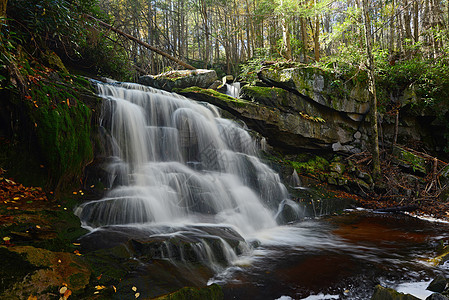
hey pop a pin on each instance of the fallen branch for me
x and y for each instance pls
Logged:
(148, 46)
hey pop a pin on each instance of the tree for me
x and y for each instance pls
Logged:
(372, 91)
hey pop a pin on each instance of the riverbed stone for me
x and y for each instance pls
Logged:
(437, 296)
(180, 79)
(438, 284)
(383, 293)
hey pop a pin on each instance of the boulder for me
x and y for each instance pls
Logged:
(180, 79)
(320, 86)
(382, 293)
(212, 292)
(438, 284)
(437, 296)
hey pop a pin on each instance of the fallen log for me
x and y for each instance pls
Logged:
(146, 45)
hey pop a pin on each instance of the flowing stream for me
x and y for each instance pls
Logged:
(186, 189)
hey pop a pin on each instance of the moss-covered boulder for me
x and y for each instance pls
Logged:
(180, 79)
(212, 292)
(320, 86)
(382, 293)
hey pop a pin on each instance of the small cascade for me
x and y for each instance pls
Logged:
(295, 181)
(184, 182)
(233, 89)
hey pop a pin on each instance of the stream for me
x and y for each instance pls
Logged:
(190, 203)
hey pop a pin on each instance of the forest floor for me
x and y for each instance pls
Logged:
(402, 188)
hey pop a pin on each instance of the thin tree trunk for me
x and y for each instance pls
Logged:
(416, 21)
(146, 45)
(3, 4)
(372, 92)
(316, 36)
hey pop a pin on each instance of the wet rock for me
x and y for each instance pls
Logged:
(438, 284)
(180, 79)
(51, 269)
(382, 293)
(437, 296)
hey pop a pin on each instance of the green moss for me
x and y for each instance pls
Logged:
(14, 268)
(213, 93)
(212, 292)
(311, 166)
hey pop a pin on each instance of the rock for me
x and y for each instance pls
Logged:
(180, 79)
(409, 161)
(215, 85)
(382, 293)
(227, 79)
(438, 284)
(281, 126)
(212, 292)
(320, 86)
(365, 177)
(437, 296)
(337, 167)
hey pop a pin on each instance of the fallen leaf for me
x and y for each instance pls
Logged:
(137, 295)
(100, 287)
(134, 288)
(63, 290)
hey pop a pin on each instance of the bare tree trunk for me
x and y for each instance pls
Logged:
(372, 92)
(416, 21)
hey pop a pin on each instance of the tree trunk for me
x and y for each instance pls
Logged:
(3, 4)
(416, 21)
(316, 36)
(287, 47)
(372, 92)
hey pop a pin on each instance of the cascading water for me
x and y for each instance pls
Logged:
(233, 89)
(179, 171)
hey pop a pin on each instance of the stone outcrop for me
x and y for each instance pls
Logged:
(284, 127)
(321, 87)
(180, 79)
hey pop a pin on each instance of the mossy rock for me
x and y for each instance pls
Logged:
(212, 292)
(180, 79)
(321, 86)
(382, 293)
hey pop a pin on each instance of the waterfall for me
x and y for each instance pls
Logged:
(233, 89)
(179, 170)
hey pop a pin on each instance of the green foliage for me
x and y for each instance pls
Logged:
(59, 25)
(311, 166)
(249, 69)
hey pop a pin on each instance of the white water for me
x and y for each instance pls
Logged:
(233, 89)
(175, 161)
